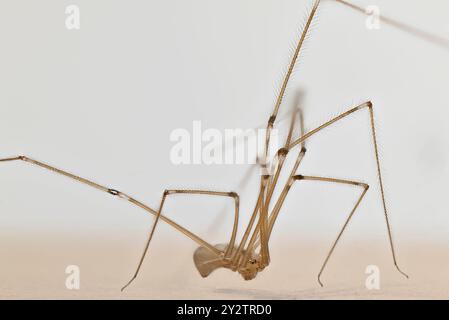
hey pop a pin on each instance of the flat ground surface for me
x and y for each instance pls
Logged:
(35, 268)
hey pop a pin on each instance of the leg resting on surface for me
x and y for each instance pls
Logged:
(364, 106)
(338, 181)
(230, 247)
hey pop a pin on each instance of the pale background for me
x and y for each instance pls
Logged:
(102, 101)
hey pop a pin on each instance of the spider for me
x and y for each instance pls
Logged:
(251, 254)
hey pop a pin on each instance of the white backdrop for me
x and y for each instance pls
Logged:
(102, 101)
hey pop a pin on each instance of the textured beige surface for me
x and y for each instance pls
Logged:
(36, 269)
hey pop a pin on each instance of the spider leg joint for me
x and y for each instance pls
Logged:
(114, 192)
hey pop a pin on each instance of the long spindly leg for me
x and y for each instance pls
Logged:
(296, 117)
(257, 238)
(268, 183)
(287, 76)
(118, 194)
(365, 188)
(232, 195)
(367, 105)
(242, 184)
(239, 253)
(147, 244)
(230, 247)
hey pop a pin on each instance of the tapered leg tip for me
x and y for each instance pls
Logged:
(127, 285)
(402, 272)
(123, 288)
(320, 283)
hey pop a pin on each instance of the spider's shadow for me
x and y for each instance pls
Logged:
(312, 293)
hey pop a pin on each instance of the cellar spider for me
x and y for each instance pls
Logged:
(251, 254)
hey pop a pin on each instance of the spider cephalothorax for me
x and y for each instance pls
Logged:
(250, 270)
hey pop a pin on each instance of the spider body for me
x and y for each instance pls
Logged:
(207, 262)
